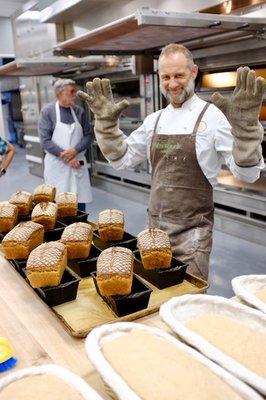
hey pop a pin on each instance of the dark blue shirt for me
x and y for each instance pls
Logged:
(47, 122)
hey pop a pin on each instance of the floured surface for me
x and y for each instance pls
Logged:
(89, 310)
(47, 256)
(7, 210)
(78, 231)
(22, 232)
(44, 189)
(261, 294)
(110, 216)
(41, 387)
(66, 198)
(153, 239)
(48, 209)
(237, 340)
(115, 261)
(156, 370)
(20, 197)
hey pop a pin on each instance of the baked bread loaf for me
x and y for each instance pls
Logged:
(67, 204)
(45, 213)
(8, 216)
(115, 271)
(78, 238)
(155, 248)
(111, 225)
(23, 200)
(21, 240)
(44, 192)
(46, 264)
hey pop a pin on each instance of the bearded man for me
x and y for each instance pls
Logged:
(186, 143)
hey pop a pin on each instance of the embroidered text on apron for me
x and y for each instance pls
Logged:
(181, 198)
(58, 173)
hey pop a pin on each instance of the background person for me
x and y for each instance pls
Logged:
(64, 132)
(186, 143)
(7, 152)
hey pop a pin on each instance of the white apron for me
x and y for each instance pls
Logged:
(58, 173)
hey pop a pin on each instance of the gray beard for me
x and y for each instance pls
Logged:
(186, 93)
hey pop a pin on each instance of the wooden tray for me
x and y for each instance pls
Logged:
(89, 310)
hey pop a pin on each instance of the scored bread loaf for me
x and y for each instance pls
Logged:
(155, 248)
(8, 216)
(45, 213)
(115, 271)
(111, 225)
(23, 200)
(78, 238)
(44, 192)
(67, 204)
(46, 264)
(21, 240)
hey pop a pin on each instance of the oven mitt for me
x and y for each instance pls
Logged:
(108, 135)
(242, 110)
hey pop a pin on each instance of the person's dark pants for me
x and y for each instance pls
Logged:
(82, 206)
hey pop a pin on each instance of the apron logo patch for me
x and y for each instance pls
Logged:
(166, 147)
(202, 126)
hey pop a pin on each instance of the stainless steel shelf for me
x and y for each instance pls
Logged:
(139, 178)
(241, 199)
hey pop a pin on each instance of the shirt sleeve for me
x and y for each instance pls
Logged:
(224, 145)
(136, 153)
(3, 147)
(86, 138)
(45, 130)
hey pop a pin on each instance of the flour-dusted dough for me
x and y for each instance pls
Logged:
(40, 387)
(157, 370)
(244, 344)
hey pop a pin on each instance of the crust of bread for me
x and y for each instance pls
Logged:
(155, 248)
(8, 216)
(6, 224)
(111, 233)
(111, 225)
(153, 259)
(45, 213)
(67, 204)
(115, 271)
(20, 249)
(45, 221)
(45, 267)
(67, 210)
(111, 285)
(44, 192)
(23, 200)
(78, 239)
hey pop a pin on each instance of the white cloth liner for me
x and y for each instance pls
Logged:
(177, 311)
(98, 336)
(55, 370)
(246, 285)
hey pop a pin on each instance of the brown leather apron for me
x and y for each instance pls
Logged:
(181, 198)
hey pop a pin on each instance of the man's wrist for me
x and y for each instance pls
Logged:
(2, 171)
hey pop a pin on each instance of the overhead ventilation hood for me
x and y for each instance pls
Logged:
(50, 66)
(64, 11)
(147, 30)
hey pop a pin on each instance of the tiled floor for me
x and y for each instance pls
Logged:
(230, 257)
